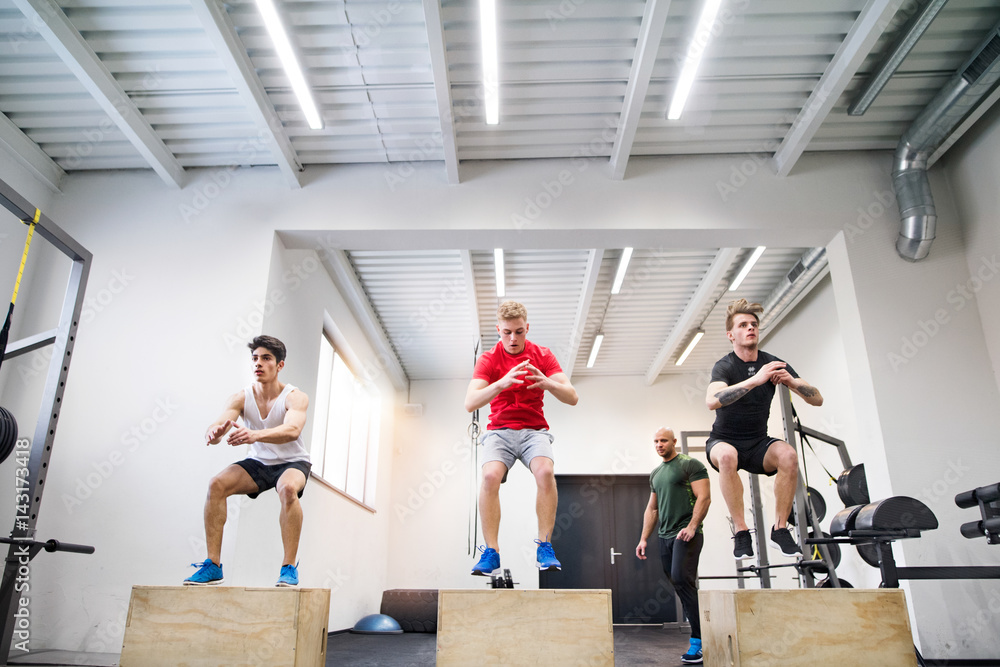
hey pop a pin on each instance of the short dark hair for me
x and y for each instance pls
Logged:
(271, 344)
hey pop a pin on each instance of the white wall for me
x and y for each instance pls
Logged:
(199, 259)
(155, 360)
(973, 169)
(926, 403)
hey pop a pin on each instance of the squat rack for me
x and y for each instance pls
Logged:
(62, 338)
(799, 505)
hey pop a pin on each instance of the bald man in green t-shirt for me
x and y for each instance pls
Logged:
(678, 502)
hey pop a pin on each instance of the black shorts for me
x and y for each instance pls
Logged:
(749, 453)
(266, 477)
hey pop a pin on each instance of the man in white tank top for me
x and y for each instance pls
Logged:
(273, 417)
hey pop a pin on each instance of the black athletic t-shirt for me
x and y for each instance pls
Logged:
(747, 417)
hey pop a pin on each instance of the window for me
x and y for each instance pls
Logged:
(345, 427)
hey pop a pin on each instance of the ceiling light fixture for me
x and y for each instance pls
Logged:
(491, 68)
(746, 267)
(694, 341)
(616, 287)
(498, 268)
(598, 339)
(699, 42)
(272, 21)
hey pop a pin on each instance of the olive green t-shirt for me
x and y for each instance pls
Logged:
(671, 482)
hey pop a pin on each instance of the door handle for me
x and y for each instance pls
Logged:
(613, 554)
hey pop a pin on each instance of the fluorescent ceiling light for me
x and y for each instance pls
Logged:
(699, 42)
(694, 341)
(491, 68)
(598, 339)
(746, 267)
(498, 267)
(616, 287)
(272, 21)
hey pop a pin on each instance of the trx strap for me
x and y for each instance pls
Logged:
(24, 255)
(5, 331)
(474, 432)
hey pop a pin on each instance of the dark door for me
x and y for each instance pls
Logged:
(598, 523)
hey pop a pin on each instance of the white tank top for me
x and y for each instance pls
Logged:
(266, 452)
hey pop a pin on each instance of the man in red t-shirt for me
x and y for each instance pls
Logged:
(513, 378)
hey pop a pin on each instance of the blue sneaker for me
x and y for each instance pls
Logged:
(289, 576)
(693, 656)
(208, 574)
(488, 563)
(546, 557)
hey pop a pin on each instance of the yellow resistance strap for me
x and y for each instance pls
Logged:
(24, 255)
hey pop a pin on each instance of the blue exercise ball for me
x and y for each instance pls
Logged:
(377, 624)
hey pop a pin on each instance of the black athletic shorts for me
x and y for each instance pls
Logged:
(749, 453)
(266, 477)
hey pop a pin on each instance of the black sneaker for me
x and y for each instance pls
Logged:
(782, 540)
(743, 545)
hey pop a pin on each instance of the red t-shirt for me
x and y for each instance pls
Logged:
(516, 407)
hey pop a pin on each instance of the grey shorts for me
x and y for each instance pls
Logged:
(507, 445)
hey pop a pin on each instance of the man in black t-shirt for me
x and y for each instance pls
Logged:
(742, 386)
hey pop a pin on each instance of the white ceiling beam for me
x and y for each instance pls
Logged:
(470, 284)
(984, 105)
(442, 87)
(63, 37)
(654, 18)
(347, 283)
(868, 27)
(583, 309)
(701, 298)
(230, 47)
(29, 155)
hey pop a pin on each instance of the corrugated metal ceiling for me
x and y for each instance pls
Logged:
(172, 85)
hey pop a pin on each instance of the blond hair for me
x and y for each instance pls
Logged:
(742, 307)
(511, 310)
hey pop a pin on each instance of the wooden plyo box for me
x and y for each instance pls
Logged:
(818, 626)
(525, 627)
(188, 626)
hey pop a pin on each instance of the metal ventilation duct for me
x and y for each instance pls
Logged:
(811, 263)
(949, 107)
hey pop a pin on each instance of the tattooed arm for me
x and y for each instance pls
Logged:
(720, 394)
(799, 386)
(807, 391)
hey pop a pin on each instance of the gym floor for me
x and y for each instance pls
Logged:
(634, 645)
